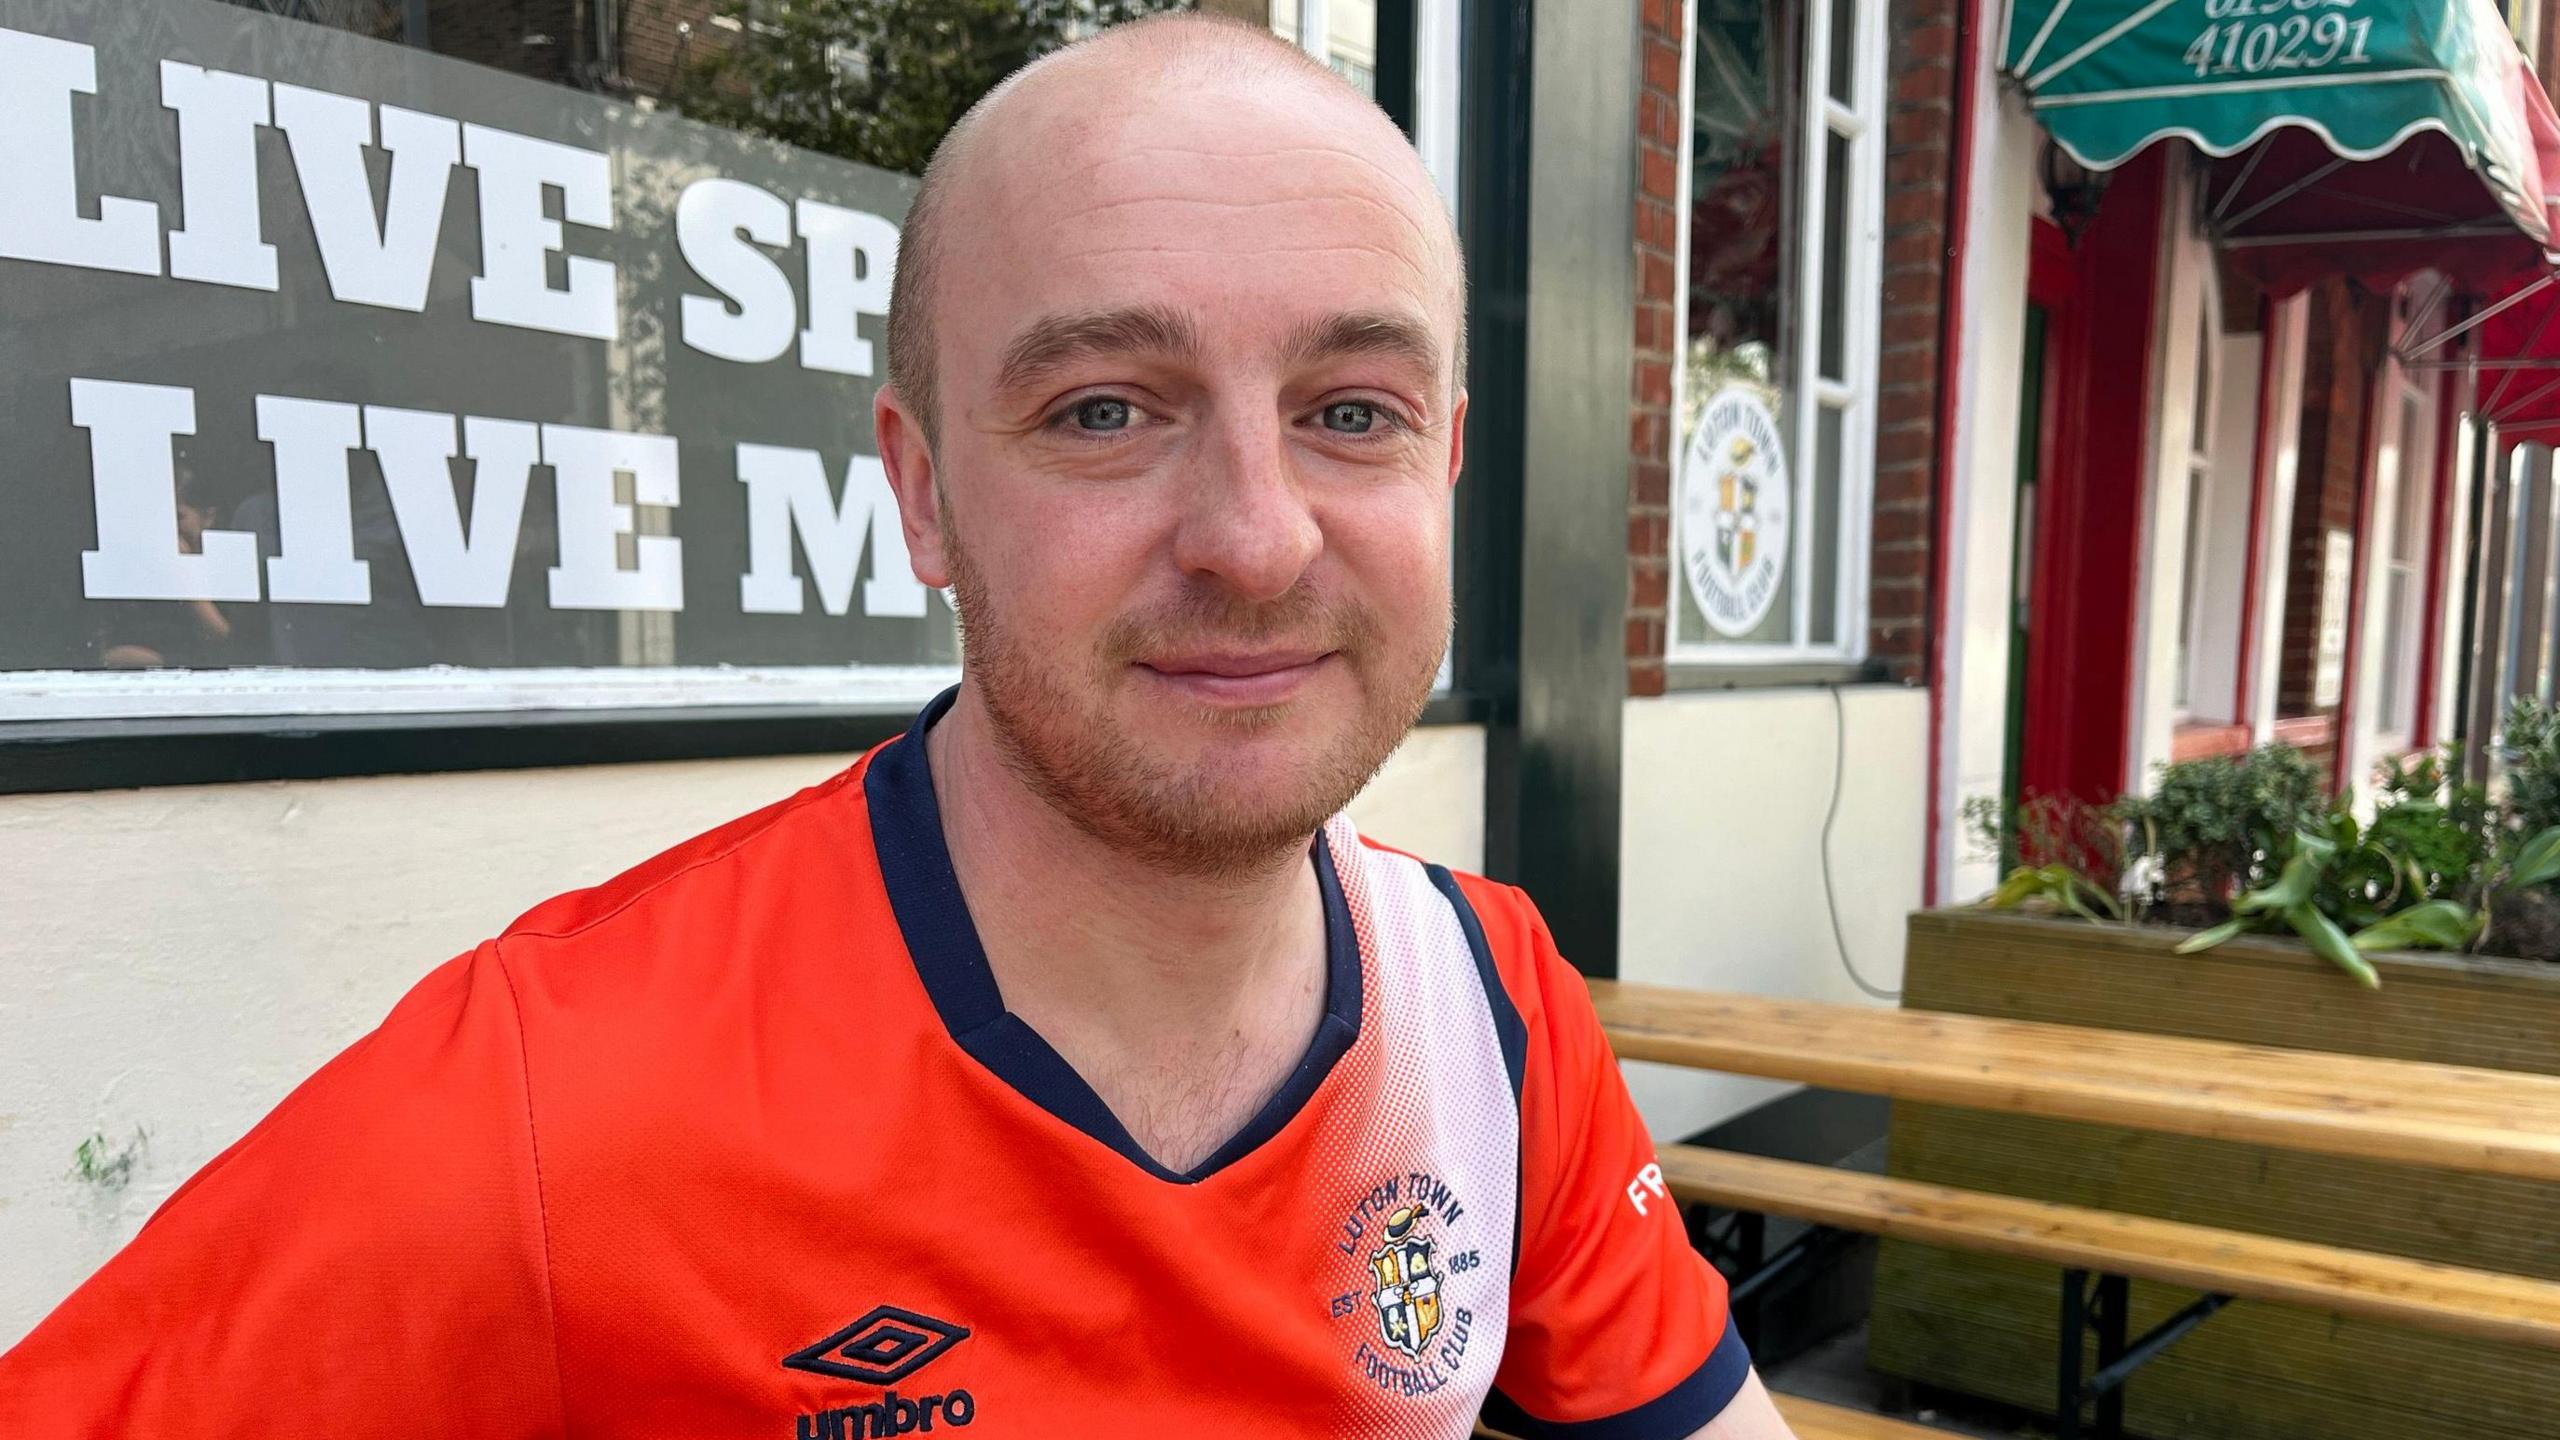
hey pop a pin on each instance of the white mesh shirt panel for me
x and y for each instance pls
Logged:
(1440, 1131)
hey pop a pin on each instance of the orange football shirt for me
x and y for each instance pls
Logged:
(743, 1143)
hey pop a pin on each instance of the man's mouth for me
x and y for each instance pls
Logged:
(1237, 677)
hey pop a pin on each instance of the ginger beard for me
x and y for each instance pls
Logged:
(1208, 815)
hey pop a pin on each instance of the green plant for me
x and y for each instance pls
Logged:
(2070, 854)
(879, 81)
(2216, 827)
(2438, 832)
(1986, 823)
(106, 1164)
(2320, 872)
(2056, 886)
(2530, 746)
(2255, 843)
(2287, 901)
(2348, 894)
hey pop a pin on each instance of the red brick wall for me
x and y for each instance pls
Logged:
(655, 53)
(1657, 347)
(1918, 160)
(2345, 336)
(1918, 170)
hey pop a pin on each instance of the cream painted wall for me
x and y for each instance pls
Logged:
(178, 959)
(1430, 798)
(1723, 878)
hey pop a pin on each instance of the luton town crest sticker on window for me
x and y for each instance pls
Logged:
(1733, 511)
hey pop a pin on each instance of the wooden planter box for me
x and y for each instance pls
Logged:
(1986, 1326)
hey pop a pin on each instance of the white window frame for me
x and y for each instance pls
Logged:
(2202, 476)
(1308, 24)
(2404, 495)
(2239, 467)
(2404, 479)
(1862, 280)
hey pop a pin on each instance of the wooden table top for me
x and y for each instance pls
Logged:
(2491, 1122)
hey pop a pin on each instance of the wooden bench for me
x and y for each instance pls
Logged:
(2486, 1121)
(2393, 1288)
(2491, 1122)
(1813, 1420)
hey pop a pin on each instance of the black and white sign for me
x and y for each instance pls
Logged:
(1733, 510)
(344, 377)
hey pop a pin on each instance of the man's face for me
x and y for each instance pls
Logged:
(1198, 429)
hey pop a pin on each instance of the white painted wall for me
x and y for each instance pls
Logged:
(2214, 668)
(2366, 740)
(2184, 299)
(1983, 489)
(178, 959)
(2447, 699)
(1722, 881)
(2405, 459)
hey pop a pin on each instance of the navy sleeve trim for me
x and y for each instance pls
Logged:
(1507, 1026)
(1676, 1415)
(1508, 1029)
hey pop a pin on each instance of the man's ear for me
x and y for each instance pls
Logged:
(908, 459)
(1457, 437)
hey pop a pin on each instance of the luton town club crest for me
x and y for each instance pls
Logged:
(1733, 510)
(1408, 1294)
(1409, 1279)
(1737, 505)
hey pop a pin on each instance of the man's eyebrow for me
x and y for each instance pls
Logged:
(1369, 332)
(1056, 340)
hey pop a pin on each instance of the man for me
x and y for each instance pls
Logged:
(1068, 1066)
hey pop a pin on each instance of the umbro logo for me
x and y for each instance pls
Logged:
(886, 1345)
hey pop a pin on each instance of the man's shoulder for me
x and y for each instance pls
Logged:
(1514, 934)
(711, 876)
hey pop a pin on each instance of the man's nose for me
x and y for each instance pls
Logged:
(1247, 520)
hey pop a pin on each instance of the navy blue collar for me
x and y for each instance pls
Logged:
(933, 916)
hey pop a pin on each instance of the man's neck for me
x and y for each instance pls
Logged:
(1184, 1001)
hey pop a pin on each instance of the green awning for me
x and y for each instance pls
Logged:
(2109, 77)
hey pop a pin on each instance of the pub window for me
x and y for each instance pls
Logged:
(1781, 252)
(1350, 29)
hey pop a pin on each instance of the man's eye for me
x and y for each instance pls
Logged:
(1350, 417)
(1101, 416)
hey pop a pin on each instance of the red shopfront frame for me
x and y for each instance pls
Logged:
(2085, 593)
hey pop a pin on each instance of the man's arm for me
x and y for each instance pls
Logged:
(1615, 1317)
(370, 1258)
(1751, 1415)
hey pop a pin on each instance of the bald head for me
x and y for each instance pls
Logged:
(1175, 416)
(1146, 77)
